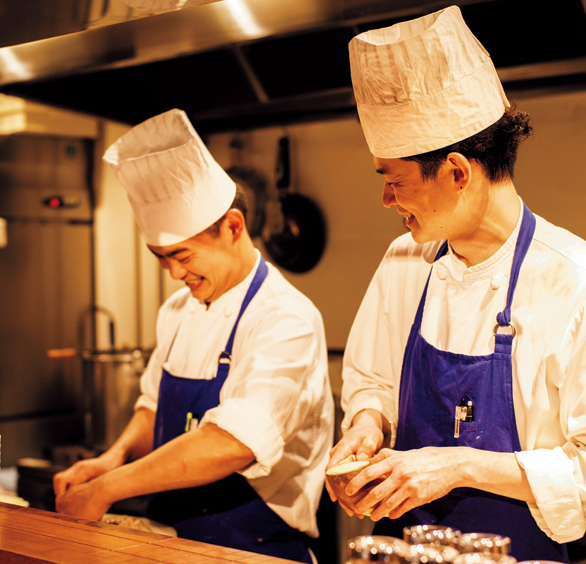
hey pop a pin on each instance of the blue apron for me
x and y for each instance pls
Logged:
(433, 384)
(228, 512)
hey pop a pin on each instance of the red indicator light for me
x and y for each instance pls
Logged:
(61, 202)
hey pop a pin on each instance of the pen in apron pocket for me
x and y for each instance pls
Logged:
(464, 412)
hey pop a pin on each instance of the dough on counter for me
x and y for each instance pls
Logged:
(139, 523)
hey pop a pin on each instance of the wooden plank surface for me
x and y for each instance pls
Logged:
(34, 536)
(74, 522)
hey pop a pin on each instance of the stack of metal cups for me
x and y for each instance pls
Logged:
(481, 548)
(377, 549)
(432, 535)
(431, 544)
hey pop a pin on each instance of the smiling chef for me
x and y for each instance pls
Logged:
(468, 353)
(232, 431)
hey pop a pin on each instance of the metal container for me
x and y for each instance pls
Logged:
(428, 554)
(540, 562)
(483, 543)
(377, 549)
(432, 535)
(110, 389)
(479, 558)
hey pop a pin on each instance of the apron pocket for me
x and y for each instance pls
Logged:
(469, 434)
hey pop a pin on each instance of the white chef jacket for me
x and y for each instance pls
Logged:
(277, 398)
(549, 350)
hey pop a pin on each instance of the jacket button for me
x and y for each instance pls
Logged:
(442, 272)
(497, 281)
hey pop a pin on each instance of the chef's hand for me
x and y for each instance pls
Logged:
(86, 500)
(415, 477)
(363, 439)
(84, 471)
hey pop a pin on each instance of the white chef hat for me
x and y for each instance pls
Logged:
(423, 84)
(174, 185)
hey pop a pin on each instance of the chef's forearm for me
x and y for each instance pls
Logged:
(494, 472)
(136, 440)
(372, 417)
(199, 457)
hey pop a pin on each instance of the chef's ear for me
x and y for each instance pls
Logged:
(235, 222)
(461, 170)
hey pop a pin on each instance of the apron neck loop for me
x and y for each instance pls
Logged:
(259, 276)
(225, 358)
(526, 233)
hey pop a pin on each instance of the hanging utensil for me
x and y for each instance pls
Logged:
(299, 244)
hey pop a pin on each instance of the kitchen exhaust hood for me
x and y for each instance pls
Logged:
(237, 64)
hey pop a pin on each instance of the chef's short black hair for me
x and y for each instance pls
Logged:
(494, 148)
(239, 203)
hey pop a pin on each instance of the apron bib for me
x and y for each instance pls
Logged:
(433, 384)
(228, 512)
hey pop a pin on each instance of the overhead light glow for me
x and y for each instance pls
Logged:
(13, 66)
(243, 17)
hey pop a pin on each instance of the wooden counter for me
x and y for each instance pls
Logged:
(33, 536)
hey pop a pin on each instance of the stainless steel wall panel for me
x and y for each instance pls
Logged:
(45, 281)
(33, 169)
(46, 290)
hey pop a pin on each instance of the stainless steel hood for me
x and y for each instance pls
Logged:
(247, 63)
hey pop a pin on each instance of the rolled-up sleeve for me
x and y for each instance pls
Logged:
(253, 427)
(557, 475)
(274, 387)
(558, 506)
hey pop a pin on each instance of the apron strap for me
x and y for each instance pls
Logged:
(225, 355)
(526, 233)
(225, 358)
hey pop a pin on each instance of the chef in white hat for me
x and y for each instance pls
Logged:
(468, 354)
(232, 431)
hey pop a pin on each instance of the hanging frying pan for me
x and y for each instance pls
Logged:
(299, 244)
